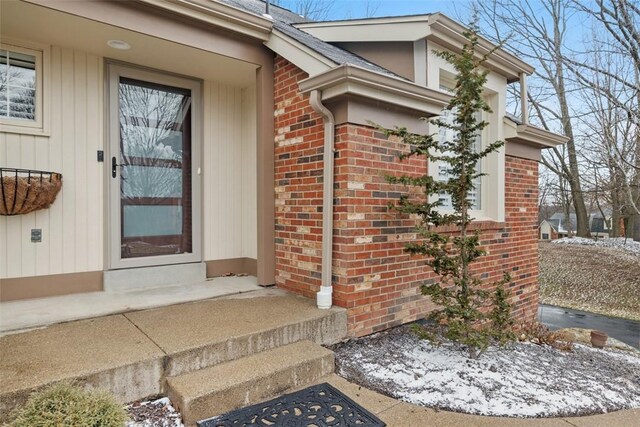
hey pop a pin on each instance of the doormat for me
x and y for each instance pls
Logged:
(320, 405)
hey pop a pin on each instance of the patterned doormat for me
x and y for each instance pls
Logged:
(321, 405)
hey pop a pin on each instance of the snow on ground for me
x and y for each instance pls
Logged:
(523, 380)
(628, 245)
(154, 413)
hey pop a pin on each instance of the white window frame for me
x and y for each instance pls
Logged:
(39, 126)
(492, 197)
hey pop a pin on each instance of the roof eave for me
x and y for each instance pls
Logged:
(218, 14)
(528, 134)
(365, 21)
(449, 33)
(298, 53)
(435, 27)
(352, 80)
(369, 29)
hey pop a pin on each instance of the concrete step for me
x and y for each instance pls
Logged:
(213, 391)
(205, 334)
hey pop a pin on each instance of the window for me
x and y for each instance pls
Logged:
(598, 225)
(17, 85)
(21, 87)
(442, 171)
(545, 236)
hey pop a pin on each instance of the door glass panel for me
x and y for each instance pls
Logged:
(155, 169)
(152, 221)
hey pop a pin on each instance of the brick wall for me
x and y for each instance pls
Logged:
(521, 198)
(299, 143)
(372, 275)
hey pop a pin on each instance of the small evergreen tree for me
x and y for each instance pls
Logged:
(460, 294)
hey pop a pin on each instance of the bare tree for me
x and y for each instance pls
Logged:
(620, 20)
(611, 135)
(610, 71)
(314, 10)
(371, 8)
(537, 32)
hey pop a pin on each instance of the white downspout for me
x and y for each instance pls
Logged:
(523, 99)
(324, 296)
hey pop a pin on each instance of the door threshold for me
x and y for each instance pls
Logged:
(140, 278)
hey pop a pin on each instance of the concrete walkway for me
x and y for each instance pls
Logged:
(21, 315)
(401, 414)
(625, 330)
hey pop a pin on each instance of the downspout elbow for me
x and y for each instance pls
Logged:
(325, 296)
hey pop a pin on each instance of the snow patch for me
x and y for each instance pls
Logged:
(153, 413)
(523, 380)
(628, 245)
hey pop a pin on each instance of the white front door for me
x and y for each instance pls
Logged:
(154, 170)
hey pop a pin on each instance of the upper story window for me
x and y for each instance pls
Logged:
(441, 168)
(21, 87)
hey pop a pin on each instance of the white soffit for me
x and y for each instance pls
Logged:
(86, 35)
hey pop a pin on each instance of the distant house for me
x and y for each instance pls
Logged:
(600, 224)
(557, 226)
(548, 230)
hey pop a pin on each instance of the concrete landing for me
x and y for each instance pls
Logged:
(131, 354)
(21, 315)
(105, 351)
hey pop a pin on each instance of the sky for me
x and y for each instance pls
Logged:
(349, 9)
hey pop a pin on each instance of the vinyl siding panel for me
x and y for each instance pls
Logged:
(249, 176)
(230, 173)
(70, 242)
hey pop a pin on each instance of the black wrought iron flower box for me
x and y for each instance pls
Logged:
(27, 190)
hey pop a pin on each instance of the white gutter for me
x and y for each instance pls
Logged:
(349, 79)
(324, 296)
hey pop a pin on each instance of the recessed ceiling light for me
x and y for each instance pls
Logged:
(119, 44)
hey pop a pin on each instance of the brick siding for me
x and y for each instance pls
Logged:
(372, 275)
(299, 143)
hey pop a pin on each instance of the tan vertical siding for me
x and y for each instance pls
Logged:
(249, 175)
(229, 204)
(72, 237)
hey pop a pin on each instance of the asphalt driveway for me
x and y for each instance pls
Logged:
(627, 331)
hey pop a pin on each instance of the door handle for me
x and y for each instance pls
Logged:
(114, 166)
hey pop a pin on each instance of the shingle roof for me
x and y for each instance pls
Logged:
(283, 21)
(515, 119)
(258, 7)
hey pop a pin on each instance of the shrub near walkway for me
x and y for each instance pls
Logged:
(598, 279)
